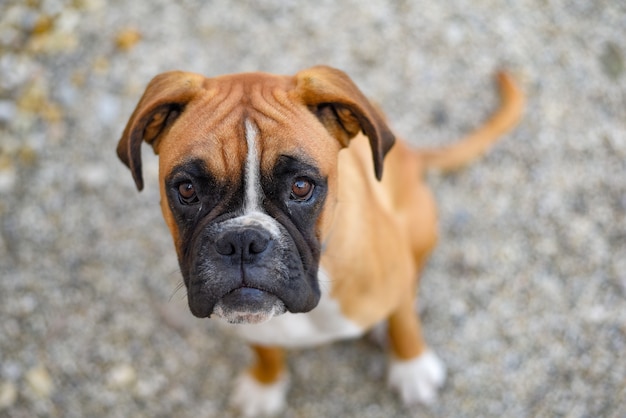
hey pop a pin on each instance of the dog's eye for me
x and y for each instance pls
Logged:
(301, 189)
(187, 193)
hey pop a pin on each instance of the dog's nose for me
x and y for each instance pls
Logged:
(243, 243)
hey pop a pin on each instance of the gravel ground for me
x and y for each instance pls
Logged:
(524, 299)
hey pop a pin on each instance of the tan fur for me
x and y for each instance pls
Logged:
(269, 365)
(399, 218)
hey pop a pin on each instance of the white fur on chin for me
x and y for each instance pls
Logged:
(243, 317)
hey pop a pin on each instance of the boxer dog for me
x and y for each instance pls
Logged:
(297, 216)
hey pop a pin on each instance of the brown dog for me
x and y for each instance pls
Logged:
(297, 217)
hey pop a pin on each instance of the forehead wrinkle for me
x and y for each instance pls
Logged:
(263, 101)
(220, 143)
(230, 143)
(222, 137)
(290, 123)
(214, 108)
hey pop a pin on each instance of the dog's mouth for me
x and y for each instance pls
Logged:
(247, 305)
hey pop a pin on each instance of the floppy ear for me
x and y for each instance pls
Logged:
(161, 104)
(344, 110)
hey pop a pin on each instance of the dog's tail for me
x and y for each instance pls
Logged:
(451, 157)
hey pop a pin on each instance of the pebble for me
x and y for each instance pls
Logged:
(7, 180)
(149, 387)
(11, 370)
(39, 381)
(8, 110)
(126, 39)
(93, 176)
(8, 395)
(121, 376)
(108, 107)
(25, 305)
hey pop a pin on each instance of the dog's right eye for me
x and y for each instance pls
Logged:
(187, 193)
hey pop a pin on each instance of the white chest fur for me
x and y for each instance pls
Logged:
(323, 324)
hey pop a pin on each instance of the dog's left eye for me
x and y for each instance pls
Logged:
(187, 193)
(301, 189)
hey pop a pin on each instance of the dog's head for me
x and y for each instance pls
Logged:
(248, 178)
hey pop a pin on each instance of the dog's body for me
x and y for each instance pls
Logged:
(283, 221)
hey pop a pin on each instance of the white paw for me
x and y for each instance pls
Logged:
(417, 380)
(255, 399)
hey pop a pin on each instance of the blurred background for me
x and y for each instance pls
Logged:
(524, 299)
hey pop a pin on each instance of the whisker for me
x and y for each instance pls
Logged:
(179, 286)
(325, 281)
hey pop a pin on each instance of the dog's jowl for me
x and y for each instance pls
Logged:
(297, 216)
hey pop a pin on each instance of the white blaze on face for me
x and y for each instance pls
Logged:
(253, 213)
(253, 170)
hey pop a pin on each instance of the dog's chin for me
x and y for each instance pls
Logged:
(248, 306)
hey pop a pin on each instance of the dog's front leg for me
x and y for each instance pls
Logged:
(415, 371)
(262, 389)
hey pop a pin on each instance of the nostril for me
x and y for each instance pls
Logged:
(258, 246)
(255, 241)
(242, 242)
(225, 246)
